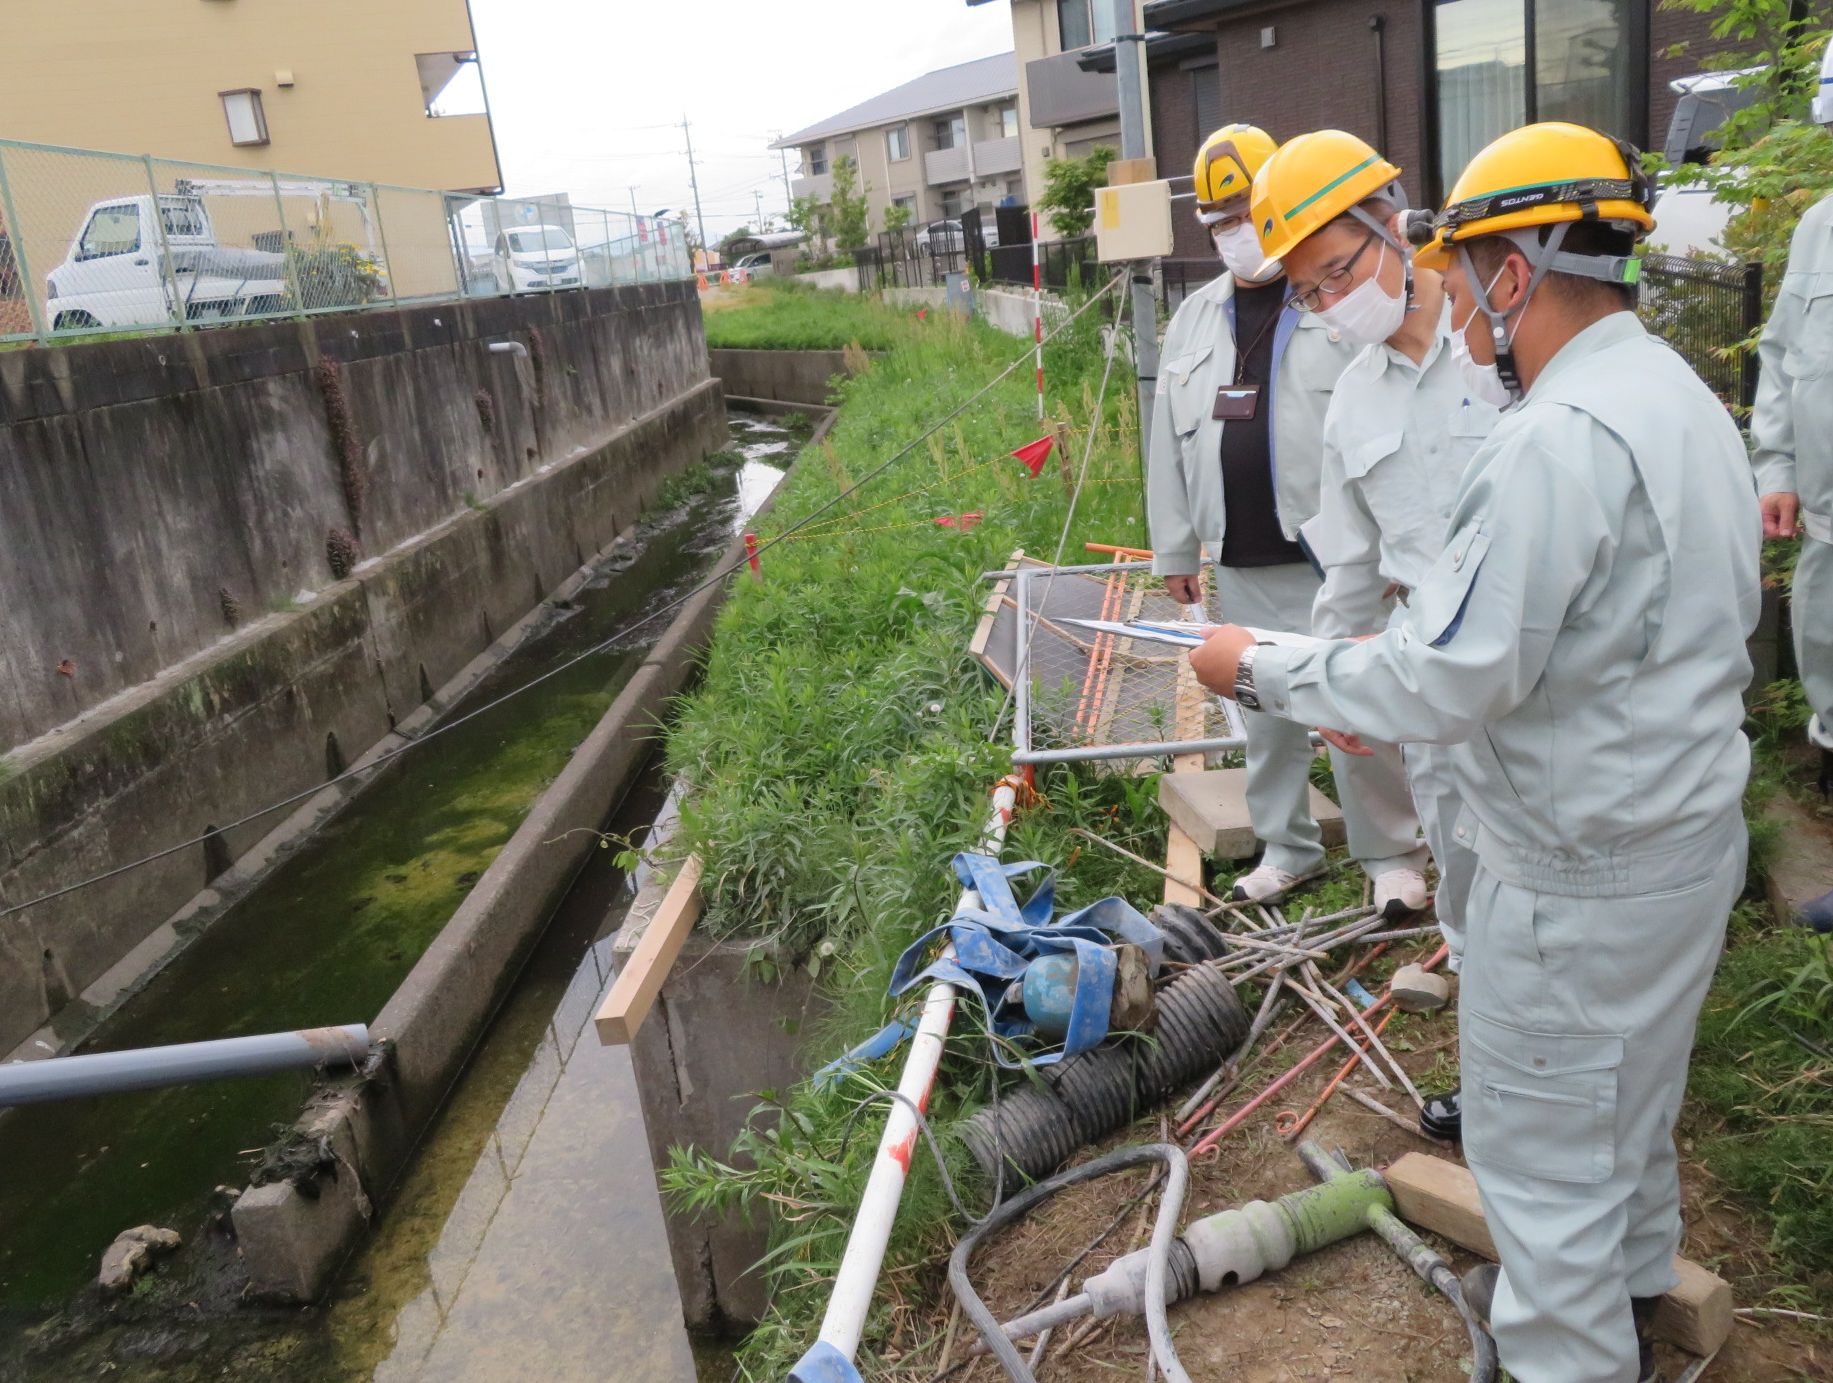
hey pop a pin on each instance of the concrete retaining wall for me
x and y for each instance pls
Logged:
(138, 479)
(788, 376)
(846, 280)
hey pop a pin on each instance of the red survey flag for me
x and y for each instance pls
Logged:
(1034, 454)
(961, 521)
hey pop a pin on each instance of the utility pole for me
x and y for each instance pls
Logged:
(1130, 70)
(693, 179)
(788, 201)
(758, 195)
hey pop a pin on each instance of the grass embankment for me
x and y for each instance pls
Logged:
(1760, 1109)
(842, 744)
(792, 316)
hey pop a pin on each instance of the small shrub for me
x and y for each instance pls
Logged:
(340, 552)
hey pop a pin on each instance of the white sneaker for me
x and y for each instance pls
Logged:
(1267, 884)
(1399, 892)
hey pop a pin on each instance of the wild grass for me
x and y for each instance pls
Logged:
(840, 749)
(792, 316)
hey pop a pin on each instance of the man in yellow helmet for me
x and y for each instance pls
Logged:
(1401, 427)
(1233, 463)
(1580, 645)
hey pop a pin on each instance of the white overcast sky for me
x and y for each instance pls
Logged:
(587, 96)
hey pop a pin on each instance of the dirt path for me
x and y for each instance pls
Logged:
(1353, 1310)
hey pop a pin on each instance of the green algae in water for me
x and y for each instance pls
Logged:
(326, 939)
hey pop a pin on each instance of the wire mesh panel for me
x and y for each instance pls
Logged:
(1082, 694)
(417, 243)
(1703, 307)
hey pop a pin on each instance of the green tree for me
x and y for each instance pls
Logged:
(1069, 189)
(804, 214)
(1773, 161)
(847, 205)
(897, 217)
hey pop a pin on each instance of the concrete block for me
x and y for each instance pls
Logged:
(1211, 808)
(1803, 867)
(290, 1243)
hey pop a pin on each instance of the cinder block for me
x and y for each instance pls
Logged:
(290, 1243)
(1211, 808)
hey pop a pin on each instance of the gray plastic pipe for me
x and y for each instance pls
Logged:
(145, 1068)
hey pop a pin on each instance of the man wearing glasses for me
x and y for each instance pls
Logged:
(1404, 421)
(1233, 463)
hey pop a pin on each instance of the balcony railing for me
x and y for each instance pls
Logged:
(1063, 94)
(993, 157)
(945, 165)
(820, 186)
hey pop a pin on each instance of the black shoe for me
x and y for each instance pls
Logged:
(1817, 914)
(1644, 1309)
(1826, 773)
(1479, 1285)
(1443, 1116)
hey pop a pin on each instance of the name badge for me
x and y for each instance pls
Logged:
(1236, 403)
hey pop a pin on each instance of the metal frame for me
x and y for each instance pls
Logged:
(1235, 740)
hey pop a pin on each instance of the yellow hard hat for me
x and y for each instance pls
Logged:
(1313, 179)
(1226, 164)
(1541, 175)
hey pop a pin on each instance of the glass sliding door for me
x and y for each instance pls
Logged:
(1581, 62)
(1482, 77)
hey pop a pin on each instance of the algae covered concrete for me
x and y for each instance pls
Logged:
(155, 493)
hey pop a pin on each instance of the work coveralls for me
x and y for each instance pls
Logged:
(1185, 510)
(1792, 429)
(1397, 438)
(1580, 643)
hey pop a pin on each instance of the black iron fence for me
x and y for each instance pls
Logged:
(1703, 309)
(909, 259)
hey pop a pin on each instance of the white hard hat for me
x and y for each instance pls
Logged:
(1823, 94)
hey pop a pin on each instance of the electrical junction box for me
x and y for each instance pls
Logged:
(1133, 221)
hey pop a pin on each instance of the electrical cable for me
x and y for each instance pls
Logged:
(1164, 1235)
(610, 641)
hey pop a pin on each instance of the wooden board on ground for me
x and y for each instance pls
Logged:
(1183, 859)
(634, 992)
(1442, 1196)
(1211, 808)
(1002, 592)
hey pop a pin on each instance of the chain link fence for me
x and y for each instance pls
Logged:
(94, 242)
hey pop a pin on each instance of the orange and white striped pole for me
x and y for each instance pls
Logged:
(1037, 313)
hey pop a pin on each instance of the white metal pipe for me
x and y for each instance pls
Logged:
(144, 1068)
(857, 1278)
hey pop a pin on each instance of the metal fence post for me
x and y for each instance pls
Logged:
(288, 261)
(16, 240)
(388, 260)
(174, 303)
(1752, 323)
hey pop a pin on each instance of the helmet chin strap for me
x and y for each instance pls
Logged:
(1400, 248)
(1541, 260)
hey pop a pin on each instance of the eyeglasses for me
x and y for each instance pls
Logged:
(1227, 224)
(1332, 284)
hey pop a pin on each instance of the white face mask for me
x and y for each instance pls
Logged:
(1368, 313)
(1241, 254)
(1483, 381)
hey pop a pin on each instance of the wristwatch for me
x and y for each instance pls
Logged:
(1245, 694)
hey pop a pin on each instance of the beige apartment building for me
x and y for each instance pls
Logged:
(947, 141)
(338, 88)
(1064, 109)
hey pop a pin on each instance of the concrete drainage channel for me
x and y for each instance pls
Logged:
(324, 1179)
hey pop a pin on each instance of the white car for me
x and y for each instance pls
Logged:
(752, 266)
(1689, 220)
(528, 258)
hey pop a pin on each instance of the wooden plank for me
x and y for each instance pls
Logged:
(1442, 1196)
(1126, 170)
(634, 991)
(990, 611)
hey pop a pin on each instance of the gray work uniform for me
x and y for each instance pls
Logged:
(1186, 511)
(1397, 439)
(1792, 429)
(1580, 643)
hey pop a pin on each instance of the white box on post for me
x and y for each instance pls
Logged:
(1133, 221)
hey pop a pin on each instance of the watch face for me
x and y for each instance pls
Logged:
(1244, 696)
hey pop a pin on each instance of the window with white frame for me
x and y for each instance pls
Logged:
(1082, 22)
(247, 121)
(815, 156)
(897, 143)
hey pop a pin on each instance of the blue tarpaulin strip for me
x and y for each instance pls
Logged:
(824, 1364)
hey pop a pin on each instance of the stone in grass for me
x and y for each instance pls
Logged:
(1418, 990)
(131, 1254)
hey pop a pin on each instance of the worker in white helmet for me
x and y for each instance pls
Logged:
(1792, 432)
(1233, 464)
(1580, 644)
